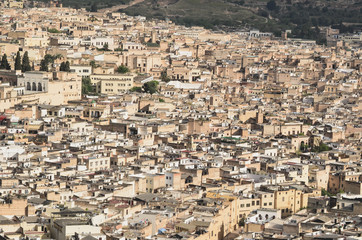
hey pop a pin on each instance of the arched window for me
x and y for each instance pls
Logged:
(40, 88)
(34, 87)
(28, 87)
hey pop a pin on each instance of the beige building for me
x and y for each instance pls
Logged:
(98, 163)
(155, 182)
(8, 97)
(81, 70)
(14, 4)
(17, 207)
(35, 41)
(290, 201)
(112, 84)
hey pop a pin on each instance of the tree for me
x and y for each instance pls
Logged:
(65, 66)
(94, 7)
(48, 59)
(44, 65)
(122, 69)
(136, 89)
(242, 222)
(325, 193)
(321, 148)
(53, 30)
(301, 148)
(106, 47)
(25, 66)
(164, 77)
(76, 6)
(62, 66)
(271, 5)
(150, 87)
(93, 64)
(18, 61)
(240, 2)
(86, 85)
(4, 63)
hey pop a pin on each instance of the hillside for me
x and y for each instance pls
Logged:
(96, 4)
(302, 17)
(207, 13)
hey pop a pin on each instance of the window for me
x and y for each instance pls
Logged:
(242, 205)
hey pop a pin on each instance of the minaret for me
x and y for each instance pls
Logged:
(284, 35)
(153, 37)
(260, 117)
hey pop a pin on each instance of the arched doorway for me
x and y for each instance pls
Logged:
(34, 87)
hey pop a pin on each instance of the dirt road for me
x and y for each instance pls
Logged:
(116, 8)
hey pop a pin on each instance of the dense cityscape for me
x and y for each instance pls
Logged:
(116, 127)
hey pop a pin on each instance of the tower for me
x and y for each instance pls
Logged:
(153, 37)
(260, 117)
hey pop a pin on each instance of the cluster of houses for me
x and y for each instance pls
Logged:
(244, 136)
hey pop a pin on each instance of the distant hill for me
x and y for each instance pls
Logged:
(88, 4)
(266, 15)
(207, 13)
(300, 16)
